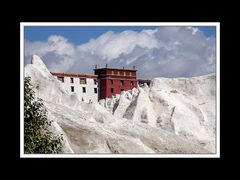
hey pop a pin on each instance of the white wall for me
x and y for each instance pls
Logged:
(89, 95)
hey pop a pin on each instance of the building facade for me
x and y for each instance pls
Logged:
(114, 80)
(104, 83)
(84, 85)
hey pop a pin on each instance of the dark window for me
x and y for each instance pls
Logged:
(84, 89)
(112, 90)
(61, 78)
(72, 88)
(71, 80)
(95, 90)
(122, 82)
(122, 89)
(83, 81)
(111, 82)
(132, 83)
(95, 81)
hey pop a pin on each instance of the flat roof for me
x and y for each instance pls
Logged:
(111, 68)
(144, 78)
(74, 75)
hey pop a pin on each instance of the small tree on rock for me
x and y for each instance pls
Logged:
(37, 136)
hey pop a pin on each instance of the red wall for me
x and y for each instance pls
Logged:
(102, 88)
(117, 87)
(105, 76)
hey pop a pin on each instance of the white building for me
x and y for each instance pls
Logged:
(84, 85)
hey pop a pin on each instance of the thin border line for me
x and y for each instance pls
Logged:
(118, 24)
(215, 155)
(21, 90)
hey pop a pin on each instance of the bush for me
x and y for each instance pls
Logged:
(37, 136)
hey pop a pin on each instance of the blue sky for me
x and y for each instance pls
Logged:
(160, 52)
(80, 35)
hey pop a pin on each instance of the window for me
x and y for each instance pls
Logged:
(84, 89)
(124, 73)
(83, 81)
(130, 73)
(61, 79)
(112, 72)
(111, 82)
(72, 88)
(95, 90)
(112, 90)
(95, 81)
(71, 80)
(122, 82)
(118, 73)
(132, 83)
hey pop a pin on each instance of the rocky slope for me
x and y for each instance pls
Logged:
(171, 116)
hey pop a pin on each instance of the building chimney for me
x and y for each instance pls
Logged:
(106, 65)
(123, 67)
(96, 66)
(134, 67)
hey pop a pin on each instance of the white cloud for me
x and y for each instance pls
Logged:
(164, 51)
(110, 45)
(194, 30)
(58, 53)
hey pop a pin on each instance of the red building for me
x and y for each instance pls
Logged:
(112, 81)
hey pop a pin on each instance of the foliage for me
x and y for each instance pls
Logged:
(37, 136)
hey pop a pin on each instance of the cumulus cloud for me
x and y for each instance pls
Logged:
(57, 52)
(110, 45)
(164, 51)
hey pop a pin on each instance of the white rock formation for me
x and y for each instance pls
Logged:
(171, 116)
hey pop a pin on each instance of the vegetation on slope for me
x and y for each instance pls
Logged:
(38, 139)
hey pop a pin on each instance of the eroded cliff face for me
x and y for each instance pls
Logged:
(171, 116)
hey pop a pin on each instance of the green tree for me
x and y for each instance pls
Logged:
(37, 136)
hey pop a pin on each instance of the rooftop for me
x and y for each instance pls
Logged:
(74, 75)
(112, 68)
(116, 69)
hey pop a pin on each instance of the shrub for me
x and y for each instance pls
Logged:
(37, 136)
